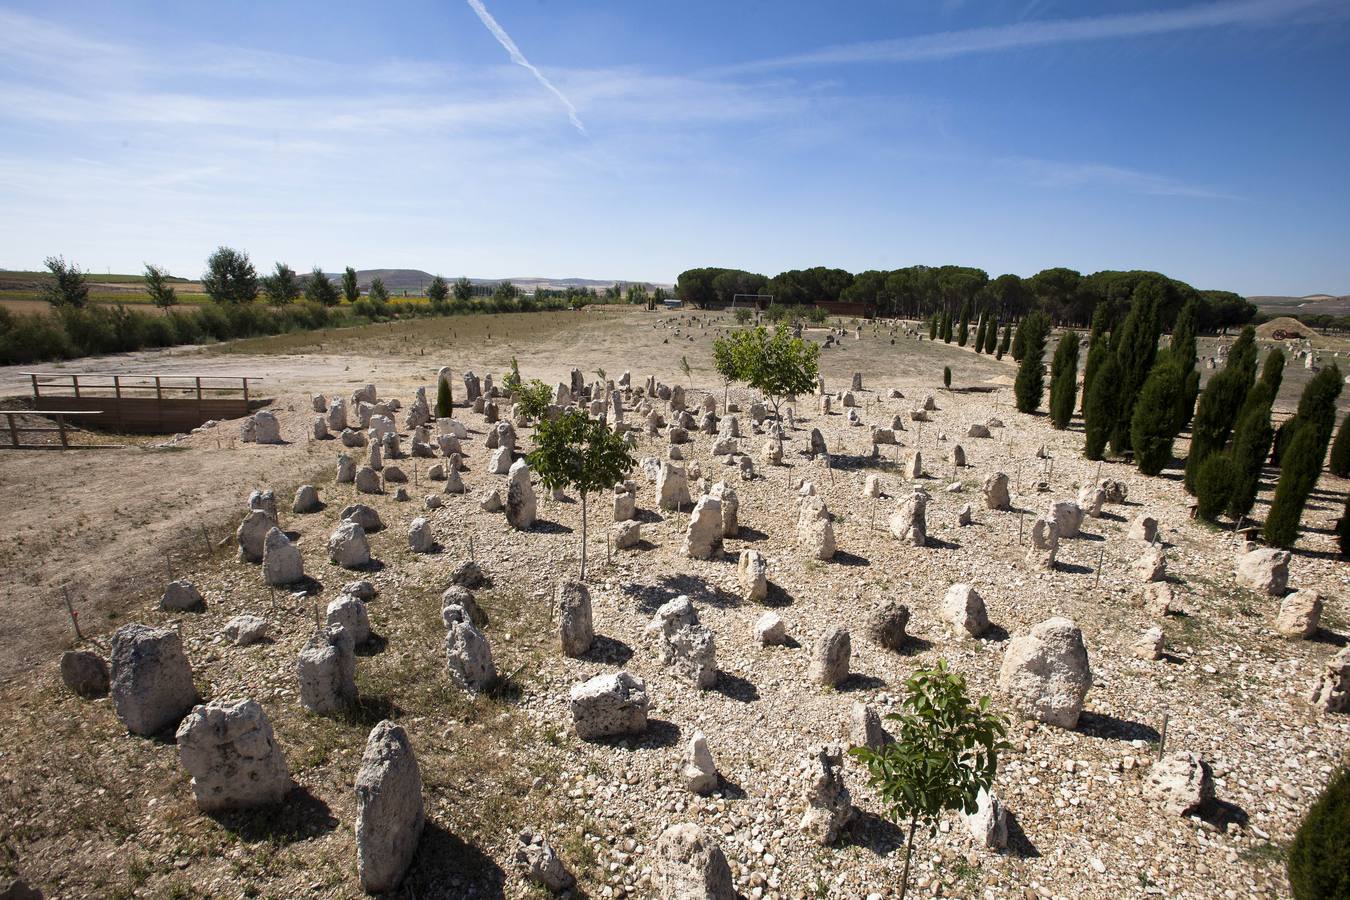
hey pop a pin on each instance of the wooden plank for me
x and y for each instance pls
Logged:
(13, 432)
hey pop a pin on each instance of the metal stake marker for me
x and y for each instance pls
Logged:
(472, 558)
(206, 539)
(1162, 736)
(70, 610)
(1020, 517)
(1101, 555)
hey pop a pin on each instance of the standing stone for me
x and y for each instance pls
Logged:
(389, 811)
(241, 631)
(266, 428)
(151, 678)
(830, 660)
(909, 521)
(182, 596)
(988, 824)
(1067, 516)
(229, 751)
(731, 505)
(326, 671)
(468, 657)
(1115, 490)
(1046, 673)
(499, 463)
(320, 429)
(536, 861)
(1144, 528)
(815, 532)
(978, 431)
(1149, 647)
(691, 866)
(1299, 615)
(348, 547)
(752, 575)
(282, 563)
(1331, 692)
(346, 469)
(1151, 566)
(914, 465)
(625, 503)
(473, 388)
(817, 443)
(672, 487)
(963, 608)
(85, 673)
(966, 516)
(996, 491)
(770, 630)
(575, 628)
(872, 487)
(865, 728)
(520, 499)
(829, 807)
(349, 613)
(698, 772)
(368, 481)
(886, 624)
(1265, 571)
(420, 538)
(1044, 544)
(611, 704)
(252, 535)
(1091, 498)
(365, 516)
(703, 538)
(337, 414)
(1181, 782)
(306, 500)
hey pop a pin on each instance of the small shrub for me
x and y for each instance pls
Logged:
(1214, 482)
(947, 376)
(1319, 857)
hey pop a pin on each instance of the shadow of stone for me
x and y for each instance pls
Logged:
(1089, 536)
(994, 634)
(292, 536)
(859, 682)
(777, 596)
(698, 589)
(1019, 845)
(1327, 636)
(647, 516)
(605, 649)
(729, 789)
(736, 687)
(370, 709)
(300, 816)
(1108, 727)
(746, 533)
(1072, 568)
(913, 644)
(870, 831)
(373, 646)
(940, 544)
(446, 866)
(309, 585)
(1221, 814)
(375, 565)
(844, 558)
(1111, 517)
(546, 526)
(660, 733)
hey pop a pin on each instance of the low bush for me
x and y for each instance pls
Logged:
(1319, 857)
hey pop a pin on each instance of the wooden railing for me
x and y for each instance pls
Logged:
(58, 415)
(145, 402)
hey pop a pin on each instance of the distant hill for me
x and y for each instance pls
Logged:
(416, 280)
(1311, 305)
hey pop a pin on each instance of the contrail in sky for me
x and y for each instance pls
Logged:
(519, 59)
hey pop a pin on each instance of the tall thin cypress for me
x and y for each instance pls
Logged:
(979, 334)
(1214, 415)
(1029, 387)
(1064, 381)
(1340, 450)
(1136, 351)
(1005, 342)
(1101, 407)
(1251, 442)
(963, 330)
(991, 336)
(1151, 426)
(1097, 353)
(1272, 373)
(1298, 475)
(1019, 340)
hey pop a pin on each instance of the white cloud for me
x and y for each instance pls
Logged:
(1048, 173)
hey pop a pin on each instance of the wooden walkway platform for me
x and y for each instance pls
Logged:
(144, 404)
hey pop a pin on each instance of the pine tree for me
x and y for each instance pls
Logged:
(318, 289)
(1251, 442)
(1007, 339)
(1214, 485)
(1301, 466)
(1101, 407)
(991, 336)
(1029, 387)
(1151, 426)
(1340, 450)
(1272, 373)
(438, 293)
(1064, 381)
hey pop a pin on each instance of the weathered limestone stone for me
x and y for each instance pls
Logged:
(829, 807)
(1157, 598)
(770, 630)
(978, 431)
(625, 505)
(672, 487)
(966, 516)
(817, 443)
(320, 428)
(468, 657)
(1091, 498)
(337, 414)
(575, 628)
(914, 465)
(865, 728)
(420, 538)
(326, 671)
(611, 704)
(1115, 490)
(1144, 528)
(909, 521)
(691, 866)
(1265, 571)
(252, 534)
(703, 538)
(1046, 673)
(746, 466)
(266, 428)
(348, 547)
(470, 575)
(85, 673)
(349, 613)
(918, 415)
(306, 500)
(815, 532)
(536, 861)
(963, 608)
(245, 630)
(996, 491)
(1181, 782)
(958, 456)
(389, 811)
(346, 469)
(1044, 544)
(929, 405)
(697, 771)
(692, 653)
(872, 487)
(1331, 692)
(492, 502)
(988, 825)
(521, 503)
(368, 481)
(282, 563)
(773, 451)
(1299, 615)
(151, 678)
(500, 461)
(182, 596)
(752, 571)
(627, 534)
(1150, 645)
(731, 506)
(460, 596)
(1151, 566)
(365, 516)
(352, 438)
(454, 484)
(886, 624)
(830, 659)
(1067, 516)
(395, 475)
(230, 752)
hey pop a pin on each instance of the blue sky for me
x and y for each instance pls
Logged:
(1207, 140)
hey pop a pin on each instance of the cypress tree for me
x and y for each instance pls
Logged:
(1214, 414)
(947, 326)
(1019, 341)
(1317, 404)
(963, 331)
(1243, 355)
(1340, 450)
(1251, 443)
(991, 336)
(1101, 407)
(1030, 384)
(1101, 321)
(1003, 344)
(445, 401)
(1188, 402)
(1136, 351)
(1064, 381)
(1343, 528)
(1214, 485)
(1272, 373)
(933, 326)
(1183, 335)
(979, 334)
(1097, 353)
(1151, 426)
(1298, 475)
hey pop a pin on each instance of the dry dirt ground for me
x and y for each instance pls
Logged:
(92, 811)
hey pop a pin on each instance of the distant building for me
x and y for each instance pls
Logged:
(672, 303)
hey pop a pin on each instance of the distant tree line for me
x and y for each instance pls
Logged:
(1066, 297)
